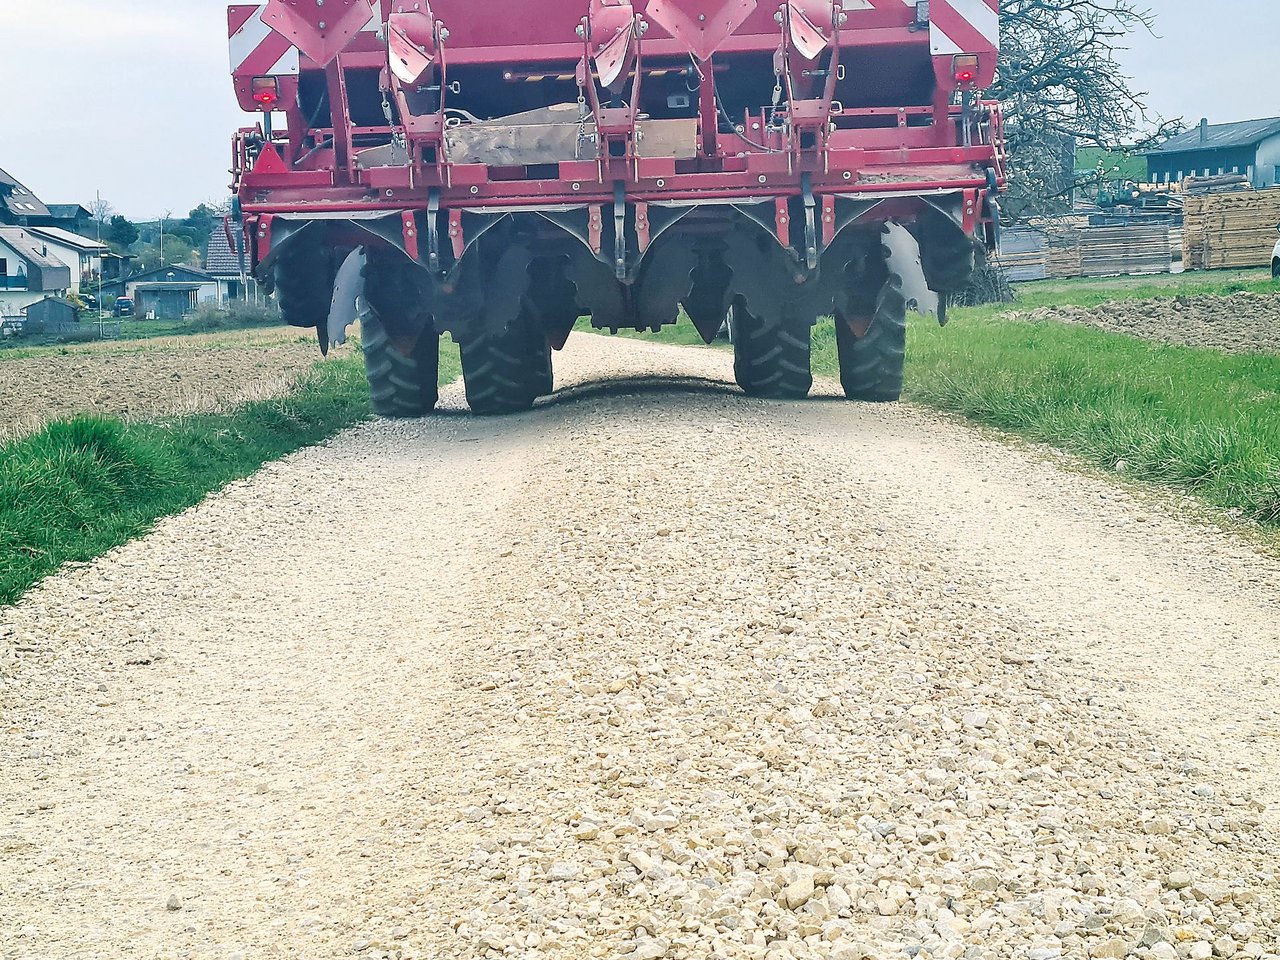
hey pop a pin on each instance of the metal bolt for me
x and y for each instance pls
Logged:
(763, 178)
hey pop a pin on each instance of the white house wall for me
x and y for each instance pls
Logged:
(1267, 173)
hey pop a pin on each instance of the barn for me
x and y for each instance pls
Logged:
(1251, 148)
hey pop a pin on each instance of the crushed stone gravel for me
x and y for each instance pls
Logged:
(654, 671)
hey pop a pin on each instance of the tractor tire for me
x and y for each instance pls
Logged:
(771, 360)
(949, 257)
(1275, 269)
(303, 281)
(400, 387)
(872, 366)
(505, 373)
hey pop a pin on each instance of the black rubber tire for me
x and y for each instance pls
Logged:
(303, 281)
(771, 360)
(872, 368)
(400, 387)
(949, 257)
(1275, 269)
(505, 373)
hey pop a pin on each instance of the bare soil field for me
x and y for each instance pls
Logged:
(1239, 323)
(655, 672)
(147, 379)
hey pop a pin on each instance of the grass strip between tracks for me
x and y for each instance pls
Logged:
(1196, 420)
(82, 487)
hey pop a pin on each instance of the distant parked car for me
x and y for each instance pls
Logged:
(124, 307)
(1275, 262)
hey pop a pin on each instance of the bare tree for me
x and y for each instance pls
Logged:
(1063, 88)
(102, 212)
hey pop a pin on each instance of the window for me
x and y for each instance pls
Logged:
(4, 267)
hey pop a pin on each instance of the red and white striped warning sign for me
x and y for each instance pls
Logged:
(257, 50)
(964, 26)
(955, 26)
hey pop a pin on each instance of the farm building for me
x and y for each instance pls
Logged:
(170, 292)
(1251, 148)
(51, 315)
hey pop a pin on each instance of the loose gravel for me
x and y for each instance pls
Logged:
(654, 671)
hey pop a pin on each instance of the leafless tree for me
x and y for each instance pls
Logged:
(1063, 88)
(102, 212)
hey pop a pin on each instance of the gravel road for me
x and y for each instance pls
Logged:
(654, 671)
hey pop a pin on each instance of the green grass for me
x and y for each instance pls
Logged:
(81, 487)
(1091, 292)
(1193, 420)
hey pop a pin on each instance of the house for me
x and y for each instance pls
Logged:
(67, 216)
(1251, 148)
(170, 293)
(223, 263)
(82, 255)
(17, 203)
(28, 271)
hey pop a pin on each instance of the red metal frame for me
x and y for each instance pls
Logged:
(911, 151)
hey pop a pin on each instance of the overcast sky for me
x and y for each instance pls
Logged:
(133, 97)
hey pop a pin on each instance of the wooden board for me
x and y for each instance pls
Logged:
(521, 145)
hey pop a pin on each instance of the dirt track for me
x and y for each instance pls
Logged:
(149, 378)
(653, 671)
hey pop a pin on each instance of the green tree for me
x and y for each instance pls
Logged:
(122, 233)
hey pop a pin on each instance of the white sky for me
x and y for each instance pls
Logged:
(133, 97)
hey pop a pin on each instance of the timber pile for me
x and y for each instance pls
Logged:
(1124, 251)
(1230, 231)
(1061, 251)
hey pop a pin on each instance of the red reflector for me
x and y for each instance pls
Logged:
(266, 91)
(966, 68)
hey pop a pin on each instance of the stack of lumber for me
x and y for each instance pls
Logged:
(1124, 251)
(1230, 231)
(1023, 254)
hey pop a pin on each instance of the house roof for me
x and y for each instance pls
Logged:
(68, 211)
(68, 239)
(220, 258)
(175, 269)
(18, 200)
(1221, 136)
(152, 287)
(60, 300)
(29, 247)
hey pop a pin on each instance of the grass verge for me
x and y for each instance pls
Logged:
(82, 487)
(1194, 420)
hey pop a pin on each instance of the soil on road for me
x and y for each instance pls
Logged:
(652, 671)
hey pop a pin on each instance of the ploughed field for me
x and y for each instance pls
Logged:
(653, 671)
(149, 379)
(1237, 323)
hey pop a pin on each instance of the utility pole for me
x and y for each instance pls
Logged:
(101, 265)
(163, 223)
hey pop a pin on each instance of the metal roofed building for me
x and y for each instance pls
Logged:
(1251, 148)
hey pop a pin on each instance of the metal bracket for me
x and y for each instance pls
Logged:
(642, 227)
(620, 230)
(433, 229)
(457, 235)
(595, 230)
(828, 220)
(810, 222)
(410, 230)
(782, 221)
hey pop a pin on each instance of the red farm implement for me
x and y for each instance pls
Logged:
(498, 170)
